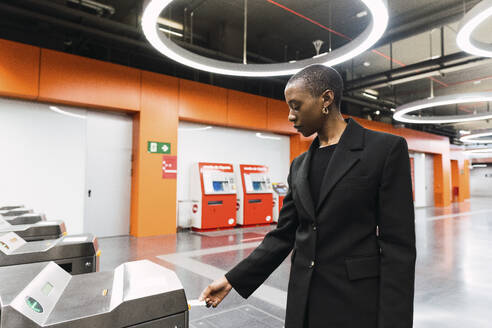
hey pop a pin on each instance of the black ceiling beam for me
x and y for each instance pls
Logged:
(402, 27)
(425, 67)
(82, 17)
(112, 36)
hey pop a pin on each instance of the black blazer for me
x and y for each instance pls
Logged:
(353, 261)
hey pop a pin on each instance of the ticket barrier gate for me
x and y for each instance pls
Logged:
(14, 212)
(27, 218)
(137, 294)
(10, 207)
(76, 254)
(38, 231)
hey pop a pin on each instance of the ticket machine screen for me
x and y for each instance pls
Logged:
(218, 185)
(257, 185)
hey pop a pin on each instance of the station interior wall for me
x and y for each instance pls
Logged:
(216, 144)
(423, 181)
(481, 181)
(158, 102)
(42, 148)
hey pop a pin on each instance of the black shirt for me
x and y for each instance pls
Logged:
(317, 168)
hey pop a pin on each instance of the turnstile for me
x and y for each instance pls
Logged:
(75, 253)
(10, 207)
(137, 294)
(27, 218)
(38, 231)
(14, 212)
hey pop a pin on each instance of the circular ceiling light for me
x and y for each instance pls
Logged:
(402, 112)
(479, 151)
(473, 138)
(375, 29)
(476, 16)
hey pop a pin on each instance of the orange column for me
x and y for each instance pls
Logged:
(455, 180)
(154, 198)
(442, 180)
(466, 178)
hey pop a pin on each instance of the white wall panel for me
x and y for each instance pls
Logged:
(202, 143)
(43, 160)
(43, 163)
(481, 181)
(423, 179)
(429, 179)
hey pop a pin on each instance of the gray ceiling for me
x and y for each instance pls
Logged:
(414, 40)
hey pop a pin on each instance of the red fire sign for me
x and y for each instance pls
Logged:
(169, 167)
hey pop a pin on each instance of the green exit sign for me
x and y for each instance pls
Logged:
(158, 147)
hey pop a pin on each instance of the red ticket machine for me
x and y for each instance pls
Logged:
(254, 195)
(279, 192)
(213, 190)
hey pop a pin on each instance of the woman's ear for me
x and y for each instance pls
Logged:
(328, 97)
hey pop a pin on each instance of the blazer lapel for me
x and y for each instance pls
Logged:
(346, 155)
(302, 182)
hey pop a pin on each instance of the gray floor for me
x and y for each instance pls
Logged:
(453, 283)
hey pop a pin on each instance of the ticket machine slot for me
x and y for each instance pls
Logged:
(252, 201)
(215, 202)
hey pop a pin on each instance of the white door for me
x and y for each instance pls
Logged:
(108, 177)
(429, 179)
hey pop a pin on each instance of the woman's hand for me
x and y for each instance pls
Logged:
(216, 292)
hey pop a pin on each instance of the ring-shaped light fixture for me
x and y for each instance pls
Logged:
(476, 16)
(375, 29)
(472, 138)
(479, 151)
(402, 112)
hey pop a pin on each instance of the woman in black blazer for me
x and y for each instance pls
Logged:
(351, 229)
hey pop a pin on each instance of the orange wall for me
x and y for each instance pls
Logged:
(245, 110)
(77, 80)
(208, 104)
(158, 102)
(277, 113)
(202, 103)
(19, 70)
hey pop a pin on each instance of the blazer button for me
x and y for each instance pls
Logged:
(311, 265)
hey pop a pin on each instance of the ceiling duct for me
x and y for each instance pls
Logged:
(101, 8)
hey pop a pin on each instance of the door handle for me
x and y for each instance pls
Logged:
(89, 193)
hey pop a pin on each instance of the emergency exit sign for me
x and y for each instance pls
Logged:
(158, 147)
